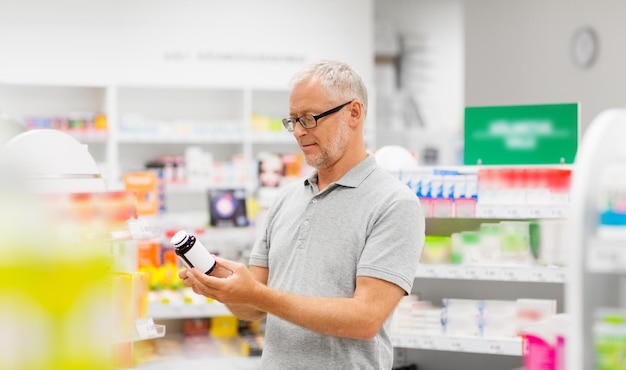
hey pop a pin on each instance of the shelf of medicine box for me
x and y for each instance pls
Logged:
(492, 346)
(183, 304)
(190, 188)
(180, 310)
(138, 229)
(521, 211)
(168, 138)
(169, 220)
(93, 136)
(203, 363)
(272, 137)
(606, 252)
(186, 188)
(144, 329)
(513, 273)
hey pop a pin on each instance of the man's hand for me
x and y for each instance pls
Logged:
(230, 282)
(237, 286)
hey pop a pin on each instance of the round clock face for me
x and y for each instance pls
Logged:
(584, 47)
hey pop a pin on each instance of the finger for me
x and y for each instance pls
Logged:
(203, 290)
(188, 282)
(197, 290)
(230, 265)
(203, 279)
(182, 274)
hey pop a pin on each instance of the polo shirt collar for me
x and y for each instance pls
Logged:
(352, 178)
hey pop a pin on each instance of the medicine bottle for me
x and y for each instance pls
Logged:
(192, 252)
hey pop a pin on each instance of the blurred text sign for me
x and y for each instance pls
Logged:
(521, 134)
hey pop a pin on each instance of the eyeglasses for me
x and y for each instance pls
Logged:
(310, 120)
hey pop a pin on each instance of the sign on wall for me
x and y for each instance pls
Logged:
(521, 134)
(198, 42)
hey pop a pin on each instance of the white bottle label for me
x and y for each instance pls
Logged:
(200, 258)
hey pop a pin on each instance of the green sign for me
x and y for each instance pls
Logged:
(521, 134)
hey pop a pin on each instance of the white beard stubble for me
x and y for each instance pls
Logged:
(331, 153)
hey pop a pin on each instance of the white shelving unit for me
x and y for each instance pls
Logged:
(517, 212)
(597, 264)
(162, 311)
(491, 346)
(539, 274)
(434, 282)
(474, 275)
(148, 121)
(24, 101)
(152, 121)
(183, 304)
(145, 122)
(230, 363)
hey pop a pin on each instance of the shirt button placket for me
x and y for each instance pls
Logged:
(305, 231)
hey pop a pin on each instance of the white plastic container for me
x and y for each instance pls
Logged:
(192, 252)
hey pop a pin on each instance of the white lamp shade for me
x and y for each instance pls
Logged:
(53, 162)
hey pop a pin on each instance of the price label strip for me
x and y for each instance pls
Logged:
(145, 328)
(139, 229)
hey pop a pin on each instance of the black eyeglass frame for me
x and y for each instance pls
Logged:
(289, 123)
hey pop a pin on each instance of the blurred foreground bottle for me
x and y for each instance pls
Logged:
(55, 292)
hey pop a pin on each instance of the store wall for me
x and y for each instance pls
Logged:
(223, 43)
(518, 52)
(420, 76)
(432, 34)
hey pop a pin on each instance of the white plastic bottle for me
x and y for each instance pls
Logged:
(192, 252)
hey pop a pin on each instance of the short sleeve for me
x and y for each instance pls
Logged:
(395, 244)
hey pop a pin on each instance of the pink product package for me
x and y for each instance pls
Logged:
(539, 353)
(544, 343)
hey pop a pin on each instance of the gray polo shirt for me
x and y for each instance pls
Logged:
(316, 243)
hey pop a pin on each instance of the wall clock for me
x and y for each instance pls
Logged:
(584, 47)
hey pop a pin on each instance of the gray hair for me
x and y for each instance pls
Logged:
(341, 81)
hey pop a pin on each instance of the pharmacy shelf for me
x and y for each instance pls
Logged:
(192, 188)
(595, 260)
(182, 310)
(144, 329)
(521, 211)
(159, 332)
(492, 346)
(538, 274)
(283, 137)
(231, 363)
(186, 188)
(226, 138)
(494, 281)
(89, 136)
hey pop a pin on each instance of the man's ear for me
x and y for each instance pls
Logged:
(356, 112)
